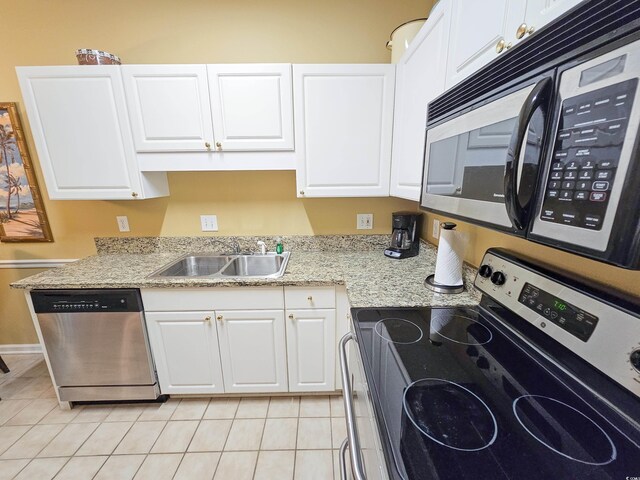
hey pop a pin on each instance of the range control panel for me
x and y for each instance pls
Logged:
(585, 158)
(602, 334)
(567, 316)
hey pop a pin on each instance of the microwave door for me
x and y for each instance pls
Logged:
(465, 159)
(525, 154)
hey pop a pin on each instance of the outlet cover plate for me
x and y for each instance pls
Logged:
(123, 223)
(364, 221)
(209, 223)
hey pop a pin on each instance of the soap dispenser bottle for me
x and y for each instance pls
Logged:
(279, 246)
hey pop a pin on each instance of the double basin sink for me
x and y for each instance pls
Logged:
(269, 265)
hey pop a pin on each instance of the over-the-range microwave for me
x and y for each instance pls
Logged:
(544, 142)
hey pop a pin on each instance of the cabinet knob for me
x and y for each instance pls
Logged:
(500, 45)
(521, 31)
(219, 145)
(207, 318)
(301, 192)
(310, 298)
(219, 317)
(291, 316)
(208, 145)
(134, 194)
(508, 46)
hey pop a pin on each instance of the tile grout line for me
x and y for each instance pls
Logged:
(264, 427)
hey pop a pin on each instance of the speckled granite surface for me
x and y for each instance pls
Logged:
(371, 279)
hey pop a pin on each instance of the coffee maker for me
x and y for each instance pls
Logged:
(405, 238)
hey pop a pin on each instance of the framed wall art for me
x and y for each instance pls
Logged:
(22, 214)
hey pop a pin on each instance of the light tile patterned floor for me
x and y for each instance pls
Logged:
(276, 438)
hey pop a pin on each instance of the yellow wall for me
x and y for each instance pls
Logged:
(479, 239)
(192, 31)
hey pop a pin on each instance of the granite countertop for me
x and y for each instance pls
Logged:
(371, 279)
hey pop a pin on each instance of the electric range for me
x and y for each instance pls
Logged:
(540, 381)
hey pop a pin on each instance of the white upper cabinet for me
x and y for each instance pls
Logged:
(252, 106)
(169, 107)
(480, 31)
(343, 123)
(78, 116)
(541, 12)
(420, 77)
(476, 30)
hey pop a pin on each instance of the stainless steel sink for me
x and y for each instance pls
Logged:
(254, 266)
(269, 265)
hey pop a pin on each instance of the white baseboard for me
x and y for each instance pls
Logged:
(20, 348)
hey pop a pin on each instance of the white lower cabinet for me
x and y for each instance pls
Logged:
(311, 344)
(237, 340)
(253, 350)
(185, 349)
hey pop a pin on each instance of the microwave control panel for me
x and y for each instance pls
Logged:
(586, 154)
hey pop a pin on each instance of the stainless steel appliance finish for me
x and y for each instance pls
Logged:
(97, 345)
(547, 146)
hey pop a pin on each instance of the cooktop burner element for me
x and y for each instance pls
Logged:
(398, 330)
(450, 414)
(556, 424)
(459, 328)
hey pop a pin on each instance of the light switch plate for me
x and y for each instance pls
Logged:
(123, 223)
(364, 221)
(209, 223)
(435, 233)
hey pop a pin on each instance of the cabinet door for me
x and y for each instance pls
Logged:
(476, 29)
(169, 107)
(253, 350)
(541, 12)
(252, 106)
(185, 350)
(420, 77)
(78, 117)
(343, 122)
(311, 349)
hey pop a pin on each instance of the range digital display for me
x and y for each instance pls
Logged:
(568, 317)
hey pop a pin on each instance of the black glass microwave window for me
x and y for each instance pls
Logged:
(471, 165)
(585, 158)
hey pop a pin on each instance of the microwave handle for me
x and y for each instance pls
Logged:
(539, 96)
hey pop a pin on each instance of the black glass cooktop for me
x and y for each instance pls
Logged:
(458, 397)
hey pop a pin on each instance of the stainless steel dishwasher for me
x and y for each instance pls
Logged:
(96, 341)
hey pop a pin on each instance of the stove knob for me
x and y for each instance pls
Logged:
(498, 278)
(635, 359)
(485, 271)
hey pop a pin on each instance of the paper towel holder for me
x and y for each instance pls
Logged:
(430, 281)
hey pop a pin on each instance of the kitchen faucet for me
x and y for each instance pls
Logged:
(233, 243)
(263, 247)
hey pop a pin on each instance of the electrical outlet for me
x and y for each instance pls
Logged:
(209, 223)
(123, 223)
(364, 221)
(436, 228)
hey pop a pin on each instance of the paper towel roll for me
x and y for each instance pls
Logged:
(449, 258)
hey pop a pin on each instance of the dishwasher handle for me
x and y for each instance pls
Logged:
(352, 431)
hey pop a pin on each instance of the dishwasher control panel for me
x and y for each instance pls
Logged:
(82, 301)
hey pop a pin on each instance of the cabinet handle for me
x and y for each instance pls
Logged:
(291, 316)
(207, 318)
(219, 317)
(500, 45)
(208, 145)
(310, 298)
(523, 30)
(219, 145)
(134, 194)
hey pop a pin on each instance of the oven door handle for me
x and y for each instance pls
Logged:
(352, 430)
(539, 96)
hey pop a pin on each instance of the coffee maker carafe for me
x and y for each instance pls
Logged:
(405, 237)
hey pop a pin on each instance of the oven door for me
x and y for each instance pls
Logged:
(482, 166)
